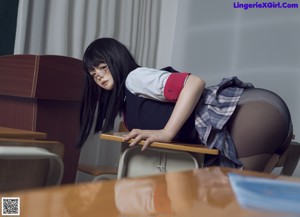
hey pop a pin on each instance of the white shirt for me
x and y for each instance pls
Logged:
(155, 84)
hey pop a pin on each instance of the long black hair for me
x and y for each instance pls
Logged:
(110, 102)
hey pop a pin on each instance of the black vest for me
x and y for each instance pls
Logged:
(147, 114)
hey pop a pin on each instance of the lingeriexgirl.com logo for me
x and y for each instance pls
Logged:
(268, 5)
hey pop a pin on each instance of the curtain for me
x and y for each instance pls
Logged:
(66, 27)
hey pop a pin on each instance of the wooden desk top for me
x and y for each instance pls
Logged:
(6, 132)
(205, 191)
(196, 148)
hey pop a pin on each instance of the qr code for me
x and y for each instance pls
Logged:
(10, 206)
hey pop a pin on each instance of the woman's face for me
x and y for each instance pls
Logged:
(102, 76)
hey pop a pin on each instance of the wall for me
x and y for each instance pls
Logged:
(214, 40)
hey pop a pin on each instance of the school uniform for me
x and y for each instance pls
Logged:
(151, 95)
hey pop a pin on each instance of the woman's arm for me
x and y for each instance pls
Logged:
(187, 100)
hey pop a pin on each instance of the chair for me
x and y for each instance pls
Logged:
(158, 158)
(25, 165)
(153, 160)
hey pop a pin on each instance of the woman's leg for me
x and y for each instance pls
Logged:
(259, 127)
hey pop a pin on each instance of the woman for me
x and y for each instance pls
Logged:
(157, 105)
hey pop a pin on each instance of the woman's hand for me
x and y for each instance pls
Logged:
(149, 136)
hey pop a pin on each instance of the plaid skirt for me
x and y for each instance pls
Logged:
(213, 111)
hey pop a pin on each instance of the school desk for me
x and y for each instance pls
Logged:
(199, 192)
(43, 93)
(158, 157)
(6, 132)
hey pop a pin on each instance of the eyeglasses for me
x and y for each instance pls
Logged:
(99, 71)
